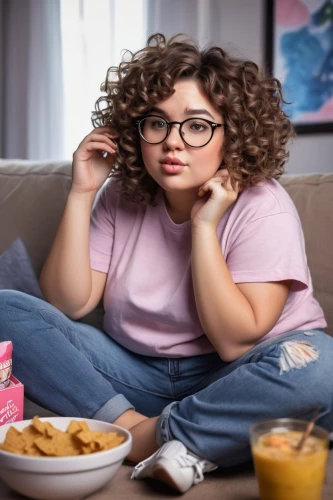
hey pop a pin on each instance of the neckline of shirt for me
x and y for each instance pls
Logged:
(165, 217)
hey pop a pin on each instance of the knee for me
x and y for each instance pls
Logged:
(10, 299)
(17, 310)
(15, 305)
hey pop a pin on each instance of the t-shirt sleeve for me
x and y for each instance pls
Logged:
(102, 229)
(270, 248)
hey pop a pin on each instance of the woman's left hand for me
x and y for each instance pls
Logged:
(215, 197)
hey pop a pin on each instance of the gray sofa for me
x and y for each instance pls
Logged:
(32, 197)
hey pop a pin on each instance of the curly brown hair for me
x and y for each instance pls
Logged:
(256, 131)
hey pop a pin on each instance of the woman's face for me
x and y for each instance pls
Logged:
(199, 164)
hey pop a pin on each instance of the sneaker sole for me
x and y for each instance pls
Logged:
(161, 474)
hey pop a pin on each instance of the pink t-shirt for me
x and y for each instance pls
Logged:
(149, 300)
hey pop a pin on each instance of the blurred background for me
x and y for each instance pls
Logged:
(54, 55)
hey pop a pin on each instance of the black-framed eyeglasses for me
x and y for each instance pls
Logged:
(195, 132)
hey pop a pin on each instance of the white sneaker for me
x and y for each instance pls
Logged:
(174, 465)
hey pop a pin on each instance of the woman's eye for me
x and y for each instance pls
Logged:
(158, 124)
(198, 127)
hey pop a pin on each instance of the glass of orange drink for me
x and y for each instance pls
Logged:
(284, 472)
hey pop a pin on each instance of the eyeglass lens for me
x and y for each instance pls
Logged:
(195, 132)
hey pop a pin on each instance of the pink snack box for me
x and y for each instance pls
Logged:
(11, 402)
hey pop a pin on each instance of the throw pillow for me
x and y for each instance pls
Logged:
(16, 271)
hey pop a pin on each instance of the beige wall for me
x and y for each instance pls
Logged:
(242, 28)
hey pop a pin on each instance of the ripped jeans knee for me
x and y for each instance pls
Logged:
(297, 354)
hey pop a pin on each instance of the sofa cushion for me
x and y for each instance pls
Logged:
(313, 197)
(16, 272)
(33, 195)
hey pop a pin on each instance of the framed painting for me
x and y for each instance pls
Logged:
(299, 52)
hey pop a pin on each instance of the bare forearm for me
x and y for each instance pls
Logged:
(66, 276)
(225, 314)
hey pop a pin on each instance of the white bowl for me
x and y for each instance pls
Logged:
(62, 478)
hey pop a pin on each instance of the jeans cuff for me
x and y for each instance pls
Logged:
(163, 432)
(112, 409)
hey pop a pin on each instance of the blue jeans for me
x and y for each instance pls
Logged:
(77, 370)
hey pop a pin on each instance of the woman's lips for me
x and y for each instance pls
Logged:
(172, 169)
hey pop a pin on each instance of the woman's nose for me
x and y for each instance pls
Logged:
(174, 140)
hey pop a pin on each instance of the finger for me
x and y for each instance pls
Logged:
(97, 136)
(103, 129)
(216, 180)
(228, 186)
(99, 131)
(223, 174)
(220, 175)
(112, 134)
(99, 146)
(111, 137)
(211, 185)
(100, 138)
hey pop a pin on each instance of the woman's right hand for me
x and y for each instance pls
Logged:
(90, 168)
